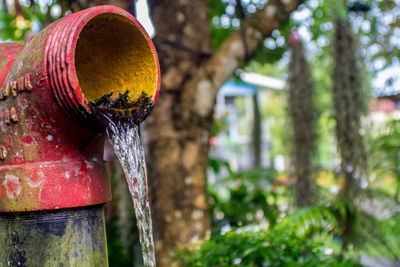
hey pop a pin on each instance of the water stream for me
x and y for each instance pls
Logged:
(123, 133)
(127, 144)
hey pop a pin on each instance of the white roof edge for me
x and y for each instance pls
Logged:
(263, 81)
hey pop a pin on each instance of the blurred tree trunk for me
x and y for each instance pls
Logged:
(302, 114)
(257, 135)
(348, 103)
(178, 130)
(177, 147)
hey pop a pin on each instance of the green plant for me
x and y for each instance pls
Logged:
(242, 198)
(368, 235)
(261, 248)
(386, 152)
(116, 253)
(308, 220)
(379, 237)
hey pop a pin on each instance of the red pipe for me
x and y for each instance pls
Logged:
(51, 151)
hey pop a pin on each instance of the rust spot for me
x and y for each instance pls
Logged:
(14, 114)
(3, 152)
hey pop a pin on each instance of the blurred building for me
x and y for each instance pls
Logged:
(381, 110)
(234, 120)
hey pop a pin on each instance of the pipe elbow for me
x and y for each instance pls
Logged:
(53, 82)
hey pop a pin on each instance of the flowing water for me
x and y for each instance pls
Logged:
(123, 133)
(128, 147)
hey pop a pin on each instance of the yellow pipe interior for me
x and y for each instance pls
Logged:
(113, 56)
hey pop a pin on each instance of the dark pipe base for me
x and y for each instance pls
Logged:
(67, 237)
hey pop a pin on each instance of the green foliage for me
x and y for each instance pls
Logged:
(226, 17)
(218, 33)
(15, 27)
(219, 125)
(386, 152)
(379, 237)
(308, 220)
(216, 164)
(116, 255)
(369, 235)
(327, 223)
(17, 18)
(261, 248)
(242, 198)
(238, 198)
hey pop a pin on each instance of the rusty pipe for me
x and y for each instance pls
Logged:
(51, 144)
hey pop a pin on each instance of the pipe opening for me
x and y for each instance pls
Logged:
(113, 56)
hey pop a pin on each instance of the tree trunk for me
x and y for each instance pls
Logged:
(302, 114)
(178, 150)
(348, 103)
(178, 130)
(256, 133)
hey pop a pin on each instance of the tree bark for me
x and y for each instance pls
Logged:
(177, 150)
(256, 133)
(178, 131)
(302, 113)
(348, 103)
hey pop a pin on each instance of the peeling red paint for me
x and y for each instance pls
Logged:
(19, 159)
(12, 185)
(27, 140)
(35, 178)
(2, 191)
(8, 142)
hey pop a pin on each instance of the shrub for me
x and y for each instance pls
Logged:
(261, 248)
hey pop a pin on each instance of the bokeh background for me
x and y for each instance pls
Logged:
(275, 140)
